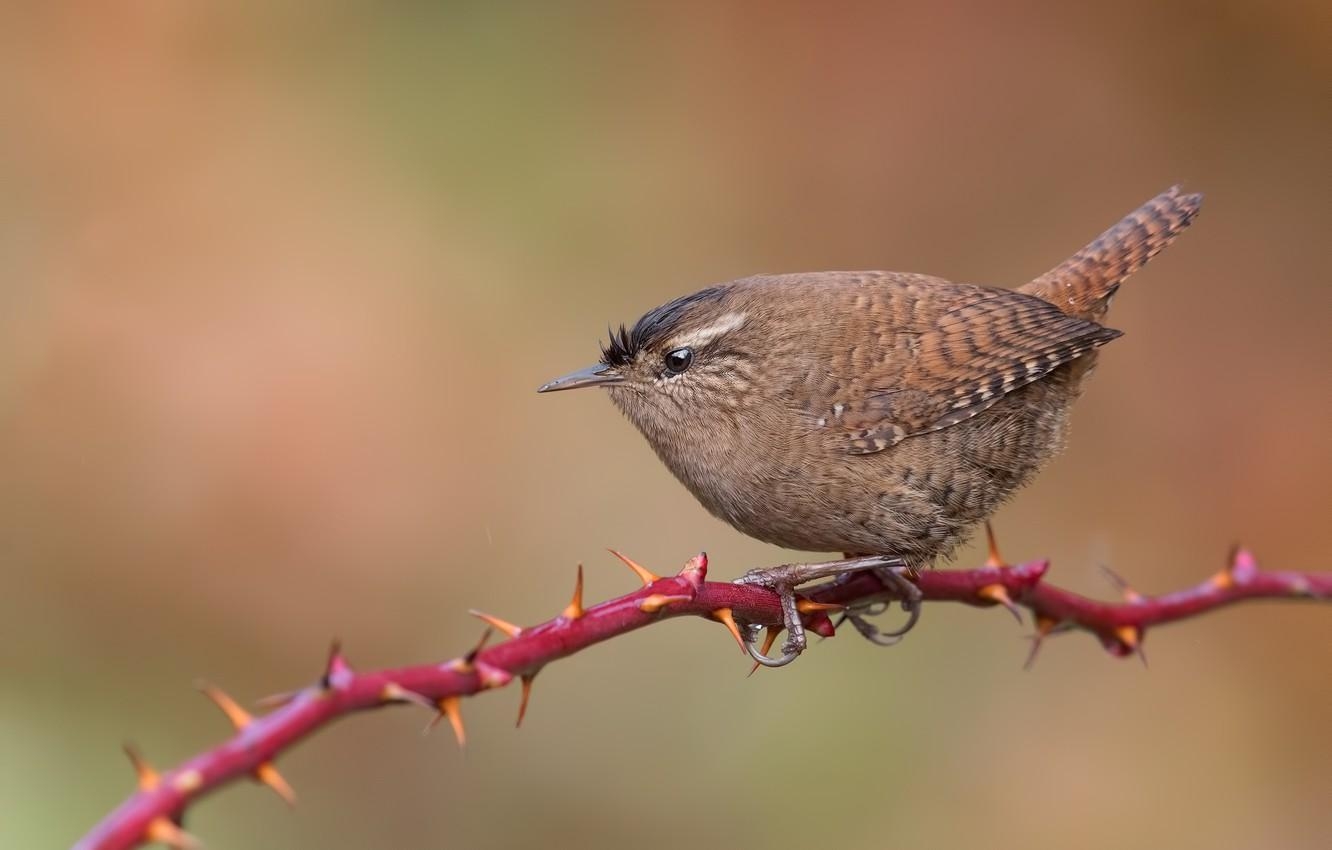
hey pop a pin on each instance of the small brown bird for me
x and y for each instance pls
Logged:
(871, 412)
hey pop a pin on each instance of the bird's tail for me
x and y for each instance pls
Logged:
(1083, 284)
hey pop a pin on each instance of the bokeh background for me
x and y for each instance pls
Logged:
(277, 282)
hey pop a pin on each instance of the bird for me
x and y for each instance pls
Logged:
(871, 412)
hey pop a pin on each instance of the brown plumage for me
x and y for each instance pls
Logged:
(876, 412)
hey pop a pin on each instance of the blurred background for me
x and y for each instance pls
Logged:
(278, 280)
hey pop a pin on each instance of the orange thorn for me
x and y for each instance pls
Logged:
(654, 603)
(164, 831)
(1131, 637)
(769, 638)
(1128, 636)
(503, 625)
(727, 619)
(148, 777)
(994, 559)
(643, 573)
(451, 707)
(809, 606)
(393, 692)
(574, 610)
(239, 717)
(999, 594)
(527, 694)
(268, 775)
(1223, 580)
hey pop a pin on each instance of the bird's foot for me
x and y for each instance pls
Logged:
(785, 579)
(899, 579)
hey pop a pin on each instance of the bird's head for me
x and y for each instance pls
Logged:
(679, 363)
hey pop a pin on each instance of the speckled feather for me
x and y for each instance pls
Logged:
(875, 412)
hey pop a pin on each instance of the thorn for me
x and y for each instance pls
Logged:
(1130, 637)
(527, 694)
(994, 559)
(1243, 565)
(999, 594)
(148, 777)
(467, 663)
(644, 574)
(809, 606)
(1222, 579)
(503, 625)
(654, 603)
(727, 619)
(1044, 626)
(769, 638)
(336, 667)
(575, 608)
(488, 675)
(480, 645)
(277, 700)
(450, 707)
(267, 774)
(1131, 596)
(239, 717)
(695, 570)
(164, 831)
(393, 692)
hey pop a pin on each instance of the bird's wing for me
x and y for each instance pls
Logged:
(982, 344)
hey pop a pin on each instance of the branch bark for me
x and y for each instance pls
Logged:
(153, 812)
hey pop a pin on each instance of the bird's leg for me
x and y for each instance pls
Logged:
(785, 579)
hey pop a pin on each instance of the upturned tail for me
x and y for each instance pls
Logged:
(1083, 285)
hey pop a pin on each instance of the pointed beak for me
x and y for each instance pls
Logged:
(592, 376)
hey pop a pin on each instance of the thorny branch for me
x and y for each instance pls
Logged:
(154, 811)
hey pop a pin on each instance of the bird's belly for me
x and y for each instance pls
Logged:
(919, 499)
(873, 503)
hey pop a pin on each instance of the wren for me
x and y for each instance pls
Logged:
(871, 412)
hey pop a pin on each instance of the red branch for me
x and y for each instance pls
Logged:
(153, 812)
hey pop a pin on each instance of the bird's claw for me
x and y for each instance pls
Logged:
(911, 598)
(795, 630)
(873, 633)
(784, 579)
(790, 652)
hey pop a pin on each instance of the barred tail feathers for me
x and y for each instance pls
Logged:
(1083, 284)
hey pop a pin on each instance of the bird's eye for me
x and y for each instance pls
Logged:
(678, 360)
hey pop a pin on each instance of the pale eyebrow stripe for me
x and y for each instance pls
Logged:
(703, 336)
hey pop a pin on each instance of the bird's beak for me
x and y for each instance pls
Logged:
(592, 376)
